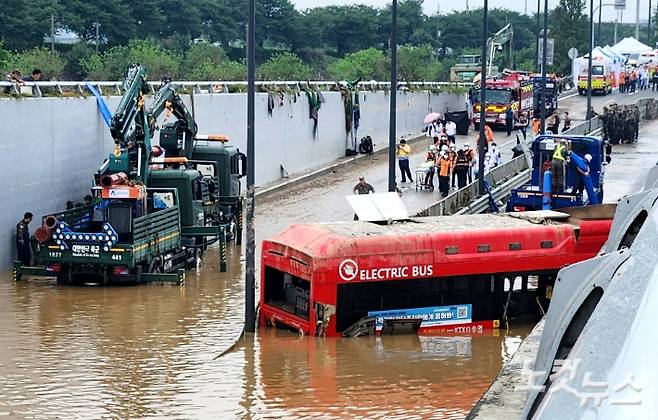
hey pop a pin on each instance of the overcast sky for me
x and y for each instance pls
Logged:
(518, 5)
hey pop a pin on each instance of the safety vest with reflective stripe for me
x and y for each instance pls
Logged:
(558, 154)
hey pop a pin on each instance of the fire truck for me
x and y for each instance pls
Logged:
(511, 90)
(329, 278)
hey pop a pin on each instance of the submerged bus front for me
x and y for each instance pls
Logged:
(323, 279)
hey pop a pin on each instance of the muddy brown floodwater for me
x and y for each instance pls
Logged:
(149, 351)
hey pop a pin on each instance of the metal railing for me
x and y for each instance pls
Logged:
(108, 87)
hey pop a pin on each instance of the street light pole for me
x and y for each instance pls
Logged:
(589, 66)
(394, 93)
(537, 38)
(482, 143)
(250, 257)
(598, 28)
(649, 26)
(544, 56)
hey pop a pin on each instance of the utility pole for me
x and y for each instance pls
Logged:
(482, 143)
(52, 33)
(598, 28)
(616, 21)
(544, 56)
(392, 129)
(637, 20)
(589, 64)
(97, 37)
(649, 27)
(537, 38)
(525, 8)
(250, 260)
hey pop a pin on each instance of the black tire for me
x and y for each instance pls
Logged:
(476, 126)
(64, 275)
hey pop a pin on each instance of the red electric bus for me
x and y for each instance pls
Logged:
(324, 278)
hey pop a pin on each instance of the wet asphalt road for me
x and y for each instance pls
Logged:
(323, 199)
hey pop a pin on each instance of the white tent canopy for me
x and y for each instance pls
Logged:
(630, 45)
(599, 56)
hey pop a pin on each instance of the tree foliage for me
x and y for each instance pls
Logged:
(112, 63)
(206, 38)
(51, 65)
(370, 64)
(285, 66)
(569, 28)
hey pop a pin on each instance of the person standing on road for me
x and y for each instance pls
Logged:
(451, 131)
(496, 158)
(567, 122)
(452, 155)
(23, 239)
(444, 174)
(536, 126)
(403, 152)
(523, 126)
(622, 82)
(633, 81)
(470, 157)
(654, 81)
(462, 167)
(509, 120)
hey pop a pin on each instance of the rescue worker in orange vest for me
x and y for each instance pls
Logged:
(444, 173)
(488, 134)
(633, 81)
(622, 82)
(452, 155)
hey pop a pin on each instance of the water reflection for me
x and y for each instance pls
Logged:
(147, 351)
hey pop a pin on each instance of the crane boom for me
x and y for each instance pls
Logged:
(504, 37)
(176, 138)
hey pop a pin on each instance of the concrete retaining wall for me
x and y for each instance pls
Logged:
(50, 147)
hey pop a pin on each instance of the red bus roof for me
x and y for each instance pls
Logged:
(464, 240)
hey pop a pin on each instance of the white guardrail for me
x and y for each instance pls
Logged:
(115, 88)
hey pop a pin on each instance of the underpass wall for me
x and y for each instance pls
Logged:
(51, 147)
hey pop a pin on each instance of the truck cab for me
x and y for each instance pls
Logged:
(530, 196)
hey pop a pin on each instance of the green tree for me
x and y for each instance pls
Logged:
(340, 29)
(417, 63)
(367, 64)
(569, 28)
(5, 59)
(24, 23)
(51, 65)
(284, 66)
(112, 64)
(201, 52)
(117, 26)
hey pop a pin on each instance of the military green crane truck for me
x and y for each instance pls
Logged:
(156, 209)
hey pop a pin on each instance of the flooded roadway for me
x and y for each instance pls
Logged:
(150, 351)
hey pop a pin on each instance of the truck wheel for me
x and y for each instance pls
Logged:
(64, 275)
